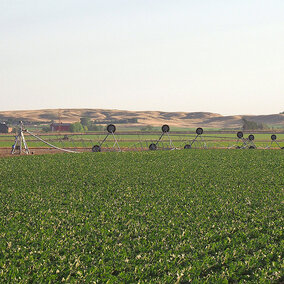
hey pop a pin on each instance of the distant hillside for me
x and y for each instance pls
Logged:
(153, 118)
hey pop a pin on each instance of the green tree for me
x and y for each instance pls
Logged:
(85, 121)
(252, 125)
(77, 127)
(45, 128)
(94, 127)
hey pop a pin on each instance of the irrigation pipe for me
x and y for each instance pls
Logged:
(65, 150)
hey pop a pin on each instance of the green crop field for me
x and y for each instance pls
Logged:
(212, 216)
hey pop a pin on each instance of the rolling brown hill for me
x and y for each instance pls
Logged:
(153, 118)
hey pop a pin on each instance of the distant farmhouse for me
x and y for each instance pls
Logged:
(4, 128)
(60, 127)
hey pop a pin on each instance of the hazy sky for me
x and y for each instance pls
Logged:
(224, 56)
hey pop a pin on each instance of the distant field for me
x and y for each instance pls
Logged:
(159, 217)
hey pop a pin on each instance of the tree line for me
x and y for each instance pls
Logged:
(252, 125)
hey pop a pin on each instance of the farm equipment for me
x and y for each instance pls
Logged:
(199, 132)
(20, 146)
(165, 131)
(274, 140)
(247, 143)
(111, 130)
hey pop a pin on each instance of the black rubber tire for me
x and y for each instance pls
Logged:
(165, 128)
(240, 134)
(238, 147)
(187, 146)
(111, 128)
(153, 147)
(252, 147)
(199, 131)
(273, 137)
(96, 148)
(251, 137)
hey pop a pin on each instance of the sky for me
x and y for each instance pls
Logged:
(221, 56)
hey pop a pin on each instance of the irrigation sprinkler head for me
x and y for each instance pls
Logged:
(187, 146)
(240, 134)
(251, 137)
(153, 147)
(111, 128)
(165, 128)
(96, 148)
(273, 137)
(199, 131)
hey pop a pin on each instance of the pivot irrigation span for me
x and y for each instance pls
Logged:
(112, 140)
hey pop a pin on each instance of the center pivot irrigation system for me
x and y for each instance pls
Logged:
(20, 145)
(274, 140)
(199, 132)
(110, 129)
(165, 131)
(245, 142)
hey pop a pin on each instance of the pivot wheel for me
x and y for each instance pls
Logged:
(111, 128)
(96, 148)
(187, 146)
(199, 131)
(240, 134)
(165, 128)
(273, 137)
(251, 137)
(153, 147)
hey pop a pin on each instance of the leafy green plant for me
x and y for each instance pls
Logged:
(210, 216)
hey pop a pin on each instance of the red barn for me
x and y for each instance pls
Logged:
(60, 127)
